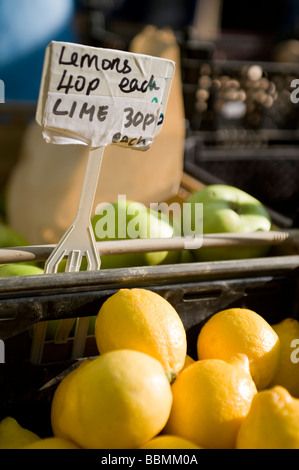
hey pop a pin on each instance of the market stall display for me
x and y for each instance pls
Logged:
(162, 325)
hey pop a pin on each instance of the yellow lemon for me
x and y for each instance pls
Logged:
(119, 400)
(66, 383)
(169, 442)
(240, 330)
(13, 435)
(272, 422)
(52, 443)
(142, 320)
(211, 398)
(287, 374)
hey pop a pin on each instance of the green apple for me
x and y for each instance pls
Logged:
(227, 209)
(187, 256)
(9, 237)
(159, 225)
(111, 224)
(19, 269)
(126, 219)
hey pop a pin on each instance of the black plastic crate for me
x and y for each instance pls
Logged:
(244, 128)
(271, 174)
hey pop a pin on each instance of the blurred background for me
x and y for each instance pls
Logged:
(237, 63)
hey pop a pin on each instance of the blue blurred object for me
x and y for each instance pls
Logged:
(26, 28)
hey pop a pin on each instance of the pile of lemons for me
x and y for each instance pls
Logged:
(144, 391)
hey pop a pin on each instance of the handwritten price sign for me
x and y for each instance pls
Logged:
(100, 96)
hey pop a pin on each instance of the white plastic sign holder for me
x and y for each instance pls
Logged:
(95, 97)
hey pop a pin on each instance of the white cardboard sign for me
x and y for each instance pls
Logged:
(98, 97)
